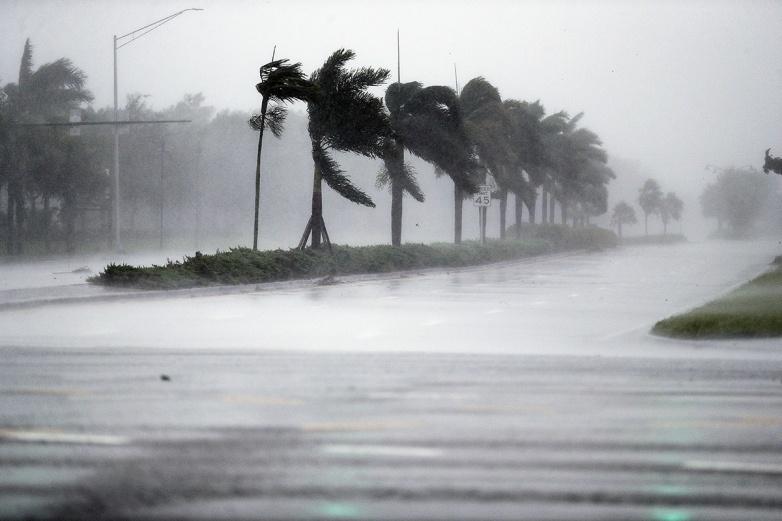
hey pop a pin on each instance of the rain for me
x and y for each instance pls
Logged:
(390, 260)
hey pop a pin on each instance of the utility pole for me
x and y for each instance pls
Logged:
(161, 199)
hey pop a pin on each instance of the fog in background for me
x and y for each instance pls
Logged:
(670, 87)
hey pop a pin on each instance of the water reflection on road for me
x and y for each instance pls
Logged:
(597, 303)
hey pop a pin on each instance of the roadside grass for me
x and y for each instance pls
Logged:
(754, 310)
(245, 266)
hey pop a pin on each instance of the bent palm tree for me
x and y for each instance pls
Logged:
(488, 128)
(426, 122)
(343, 117)
(283, 83)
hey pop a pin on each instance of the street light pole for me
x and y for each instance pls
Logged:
(133, 37)
(115, 220)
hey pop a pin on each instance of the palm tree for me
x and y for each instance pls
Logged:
(343, 117)
(623, 214)
(527, 141)
(426, 122)
(582, 172)
(671, 207)
(649, 198)
(283, 83)
(552, 129)
(46, 94)
(488, 128)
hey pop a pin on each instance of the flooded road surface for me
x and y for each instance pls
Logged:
(523, 391)
(598, 303)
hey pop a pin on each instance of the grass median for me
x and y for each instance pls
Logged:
(245, 266)
(754, 310)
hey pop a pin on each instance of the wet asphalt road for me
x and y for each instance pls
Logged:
(389, 436)
(593, 420)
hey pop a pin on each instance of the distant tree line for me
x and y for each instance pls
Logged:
(652, 202)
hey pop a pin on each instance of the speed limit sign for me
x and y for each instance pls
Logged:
(481, 199)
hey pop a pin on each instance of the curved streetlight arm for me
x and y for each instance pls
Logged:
(133, 35)
(151, 27)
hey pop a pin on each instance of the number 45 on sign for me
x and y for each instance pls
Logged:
(482, 197)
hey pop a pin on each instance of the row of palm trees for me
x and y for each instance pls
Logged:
(467, 135)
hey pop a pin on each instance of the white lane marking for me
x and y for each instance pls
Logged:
(382, 450)
(734, 466)
(47, 436)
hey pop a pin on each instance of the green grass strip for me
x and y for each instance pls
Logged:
(754, 310)
(245, 266)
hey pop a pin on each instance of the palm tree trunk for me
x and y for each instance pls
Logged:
(503, 211)
(544, 207)
(19, 220)
(317, 207)
(457, 214)
(551, 208)
(519, 208)
(646, 224)
(563, 210)
(531, 207)
(395, 166)
(619, 226)
(396, 213)
(665, 227)
(264, 104)
(9, 211)
(46, 223)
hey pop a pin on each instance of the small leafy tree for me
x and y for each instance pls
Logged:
(623, 214)
(650, 198)
(283, 83)
(671, 207)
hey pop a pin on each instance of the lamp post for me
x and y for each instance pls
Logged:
(118, 44)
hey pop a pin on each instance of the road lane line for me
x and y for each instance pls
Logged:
(53, 436)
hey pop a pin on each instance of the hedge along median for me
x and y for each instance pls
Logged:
(245, 266)
(754, 310)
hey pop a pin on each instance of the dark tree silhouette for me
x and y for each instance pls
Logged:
(772, 164)
(426, 122)
(281, 82)
(344, 117)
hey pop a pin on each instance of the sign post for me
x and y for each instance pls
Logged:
(482, 199)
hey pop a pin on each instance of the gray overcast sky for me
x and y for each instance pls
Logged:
(674, 85)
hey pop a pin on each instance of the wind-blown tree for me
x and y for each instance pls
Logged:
(671, 207)
(582, 173)
(623, 214)
(345, 117)
(425, 121)
(488, 128)
(529, 157)
(44, 95)
(553, 128)
(650, 198)
(281, 82)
